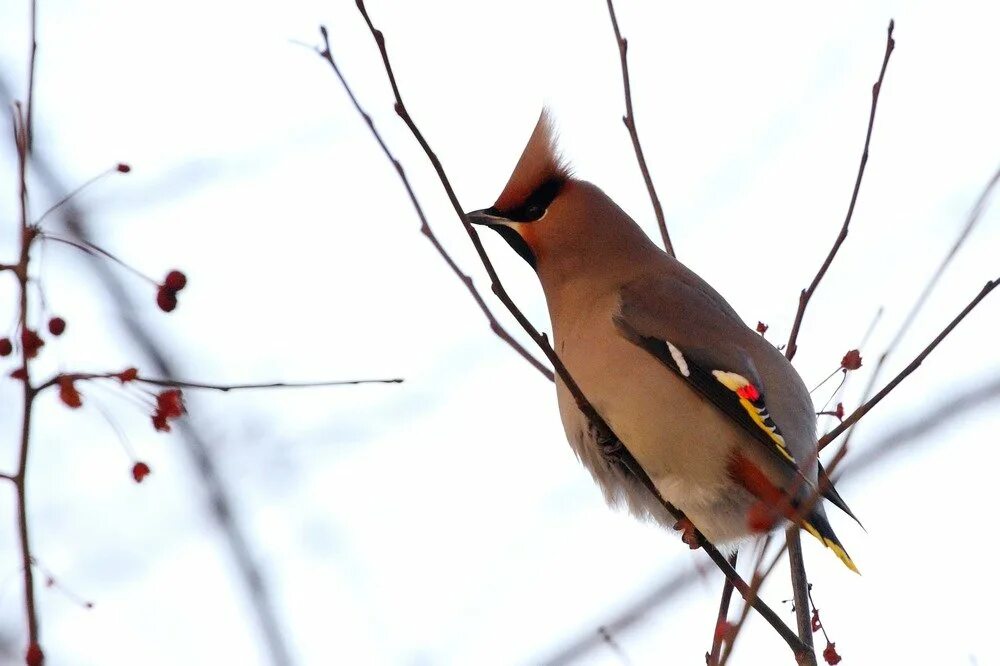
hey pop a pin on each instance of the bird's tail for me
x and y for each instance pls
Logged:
(817, 525)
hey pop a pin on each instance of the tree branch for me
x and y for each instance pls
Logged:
(425, 227)
(807, 293)
(178, 383)
(601, 428)
(858, 413)
(629, 120)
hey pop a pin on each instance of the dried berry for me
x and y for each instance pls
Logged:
(166, 299)
(851, 360)
(762, 327)
(123, 168)
(140, 471)
(830, 655)
(160, 423)
(170, 403)
(127, 375)
(6, 347)
(31, 343)
(175, 280)
(57, 325)
(68, 393)
(34, 655)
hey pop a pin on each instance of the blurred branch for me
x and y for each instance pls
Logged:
(23, 144)
(970, 223)
(958, 406)
(807, 293)
(859, 413)
(629, 120)
(632, 615)
(219, 500)
(620, 454)
(178, 383)
(800, 588)
(718, 634)
(425, 227)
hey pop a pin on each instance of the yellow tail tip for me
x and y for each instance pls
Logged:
(837, 549)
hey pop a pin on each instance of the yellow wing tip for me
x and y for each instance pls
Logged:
(837, 549)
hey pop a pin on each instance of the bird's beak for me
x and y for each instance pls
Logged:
(486, 218)
(507, 229)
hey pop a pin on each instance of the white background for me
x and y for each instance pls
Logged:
(445, 521)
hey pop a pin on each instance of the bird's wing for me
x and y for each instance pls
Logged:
(686, 329)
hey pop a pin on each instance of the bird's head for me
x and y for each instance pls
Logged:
(551, 219)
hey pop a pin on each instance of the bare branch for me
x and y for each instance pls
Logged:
(712, 659)
(600, 426)
(900, 438)
(970, 223)
(425, 227)
(807, 293)
(178, 383)
(665, 591)
(800, 589)
(858, 413)
(629, 120)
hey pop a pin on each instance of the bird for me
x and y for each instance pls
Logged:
(716, 416)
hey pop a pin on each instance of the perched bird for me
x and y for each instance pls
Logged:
(717, 417)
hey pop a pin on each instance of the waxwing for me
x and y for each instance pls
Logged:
(716, 416)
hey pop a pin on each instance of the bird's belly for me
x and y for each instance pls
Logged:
(680, 439)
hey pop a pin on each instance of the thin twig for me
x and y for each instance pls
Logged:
(29, 114)
(600, 426)
(629, 120)
(178, 383)
(756, 580)
(23, 145)
(800, 588)
(94, 250)
(718, 635)
(220, 504)
(974, 215)
(858, 413)
(653, 597)
(613, 644)
(425, 227)
(807, 293)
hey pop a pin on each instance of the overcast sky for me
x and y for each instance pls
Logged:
(445, 520)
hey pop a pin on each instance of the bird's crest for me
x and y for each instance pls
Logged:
(540, 163)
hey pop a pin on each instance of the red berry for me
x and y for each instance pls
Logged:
(851, 360)
(6, 347)
(68, 393)
(170, 403)
(127, 375)
(160, 423)
(175, 280)
(57, 325)
(830, 655)
(762, 327)
(123, 168)
(166, 299)
(140, 471)
(31, 342)
(34, 656)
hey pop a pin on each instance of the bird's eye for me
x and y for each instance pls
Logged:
(534, 211)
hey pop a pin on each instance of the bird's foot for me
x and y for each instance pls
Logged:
(611, 447)
(688, 533)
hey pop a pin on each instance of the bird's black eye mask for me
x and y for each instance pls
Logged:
(535, 205)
